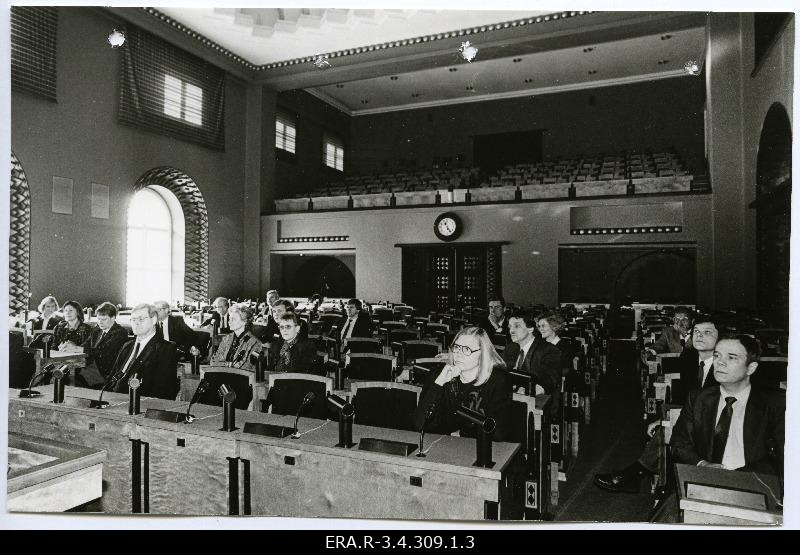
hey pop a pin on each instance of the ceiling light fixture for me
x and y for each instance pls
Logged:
(691, 67)
(116, 38)
(468, 51)
(321, 61)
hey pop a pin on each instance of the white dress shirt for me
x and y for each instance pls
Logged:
(707, 363)
(142, 342)
(351, 322)
(733, 457)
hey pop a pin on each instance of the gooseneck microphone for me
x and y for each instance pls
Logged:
(202, 387)
(111, 382)
(307, 400)
(428, 416)
(30, 393)
(58, 382)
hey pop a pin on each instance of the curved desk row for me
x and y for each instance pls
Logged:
(161, 467)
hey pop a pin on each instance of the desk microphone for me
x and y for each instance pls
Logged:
(112, 381)
(46, 341)
(29, 393)
(202, 387)
(428, 416)
(307, 400)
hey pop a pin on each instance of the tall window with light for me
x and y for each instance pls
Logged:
(285, 133)
(333, 152)
(156, 252)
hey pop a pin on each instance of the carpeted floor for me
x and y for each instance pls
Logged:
(613, 440)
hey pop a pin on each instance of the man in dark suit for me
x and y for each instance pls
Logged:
(674, 338)
(102, 348)
(358, 323)
(149, 358)
(292, 352)
(279, 308)
(531, 355)
(732, 425)
(173, 328)
(219, 316)
(496, 323)
(697, 372)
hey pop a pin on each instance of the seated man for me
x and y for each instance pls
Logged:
(496, 322)
(697, 371)
(358, 323)
(173, 328)
(219, 316)
(675, 337)
(733, 425)
(292, 352)
(151, 359)
(531, 355)
(102, 348)
(279, 308)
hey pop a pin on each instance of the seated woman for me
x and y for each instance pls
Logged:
(292, 352)
(47, 319)
(235, 348)
(474, 376)
(73, 332)
(549, 324)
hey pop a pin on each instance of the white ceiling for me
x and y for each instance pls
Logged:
(605, 49)
(267, 35)
(623, 61)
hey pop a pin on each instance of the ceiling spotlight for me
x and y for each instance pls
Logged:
(468, 51)
(116, 38)
(321, 61)
(691, 67)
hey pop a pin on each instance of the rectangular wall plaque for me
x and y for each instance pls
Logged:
(99, 201)
(62, 195)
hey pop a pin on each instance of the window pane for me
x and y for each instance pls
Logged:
(193, 104)
(149, 273)
(172, 96)
(157, 248)
(284, 135)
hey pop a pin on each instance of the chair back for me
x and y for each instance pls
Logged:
(363, 345)
(770, 373)
(373, 367)
(422, 368)
(385, 404)
(382, 314)
(239, 381)
(287, 390)
(402, 334)
(414, 349)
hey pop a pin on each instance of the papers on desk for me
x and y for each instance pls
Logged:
(63, 354)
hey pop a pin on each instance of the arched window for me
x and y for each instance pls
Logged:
(156, 251)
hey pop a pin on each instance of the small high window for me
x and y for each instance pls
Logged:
(333, 152)
(183, 100)
(285, 133)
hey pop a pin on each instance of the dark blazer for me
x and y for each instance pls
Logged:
(490, 329)
(303, 356)
(690, 365)
(669, 342)
(51, 323)
(492, 398)
(764, 429)
(543, 361)
(104, 353)
(362, 327)
(179, 333)
(156, 366)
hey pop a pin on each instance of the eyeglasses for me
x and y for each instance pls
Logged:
(681, 319)
(287, 327)
(139, 320)
(707, 333)
(462, 349)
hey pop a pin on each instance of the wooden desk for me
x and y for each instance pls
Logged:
(713, 509)
(177, 468)
(51, 476)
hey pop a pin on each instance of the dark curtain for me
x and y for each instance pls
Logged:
(33, 50)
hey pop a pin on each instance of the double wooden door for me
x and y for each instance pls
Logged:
(450, 277)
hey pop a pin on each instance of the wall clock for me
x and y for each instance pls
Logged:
(448, 226)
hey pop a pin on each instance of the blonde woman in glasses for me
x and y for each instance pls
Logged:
(474, 376)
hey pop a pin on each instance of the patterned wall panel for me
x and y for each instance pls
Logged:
(196, 217)
(494, 272)
(19, 246)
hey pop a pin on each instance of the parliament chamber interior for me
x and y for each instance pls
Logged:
(423, 265)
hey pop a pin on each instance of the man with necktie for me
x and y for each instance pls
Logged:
(531, 355)
(219, 315)
(102, 348)
(358, 323)
(150, 358)
(696, 364)
(733, 425)
(173, 328)
(674, 338)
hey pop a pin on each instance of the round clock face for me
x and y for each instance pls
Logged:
(448, 227)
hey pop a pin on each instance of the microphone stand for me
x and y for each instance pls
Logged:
(58, 383)
(428, 416)
(202, 387)
(133, 395)
(483, 443)
(100, 404)
(30, 393)
(228, 410)
(345, 411)
(309, 397)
